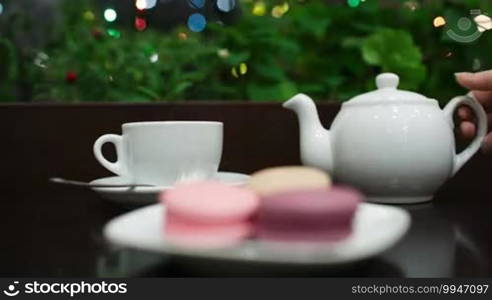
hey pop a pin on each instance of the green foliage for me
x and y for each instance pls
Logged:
(8, 70)
(330, 51)
(395, 51)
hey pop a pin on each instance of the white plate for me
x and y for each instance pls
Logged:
(148, 195)
(376, 228)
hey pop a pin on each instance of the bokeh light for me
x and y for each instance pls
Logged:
(151, 4)
(226, 5)
(114, 33)
(140, 23)
(234, 72)
(110, 15)
(89, 16)
(145, 4)
(141, 4)
(353, 3)
(411, 5)
(241, 70)
(279, 10)
(154, 58)
(41, 59)
(182, 36)
(223, 53)
(484, 23)
(439, 21)
(197, 22)
(259, 8)
(1, 8)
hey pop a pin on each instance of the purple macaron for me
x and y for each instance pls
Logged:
(321, 215)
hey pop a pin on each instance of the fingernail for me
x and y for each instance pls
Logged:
(457, 74)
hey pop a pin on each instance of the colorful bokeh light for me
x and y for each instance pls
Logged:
(279, 10)
(154, 58)
(197, 22)
(182, 36)
(439, 21)
(236, 72)
(88, 16)
(140, 23)
(145, 4)
(353, 3)
(110, 15)
(484, 23)
(114, 33)
(259, 8)
(226, 5)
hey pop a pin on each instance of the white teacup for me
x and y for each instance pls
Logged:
(163, 153)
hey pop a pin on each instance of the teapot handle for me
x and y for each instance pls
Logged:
(461, 158)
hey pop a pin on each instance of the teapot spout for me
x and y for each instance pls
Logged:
(315, 139)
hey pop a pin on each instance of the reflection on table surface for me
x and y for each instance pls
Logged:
(57, 232)
(434, 247)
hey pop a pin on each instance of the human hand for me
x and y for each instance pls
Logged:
(480, 84)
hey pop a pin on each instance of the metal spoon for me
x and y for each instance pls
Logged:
(87, 184)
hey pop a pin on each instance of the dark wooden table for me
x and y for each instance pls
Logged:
(51, 230)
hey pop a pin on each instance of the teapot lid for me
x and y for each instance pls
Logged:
(387, 91)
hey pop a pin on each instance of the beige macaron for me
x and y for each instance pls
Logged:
(289, 178)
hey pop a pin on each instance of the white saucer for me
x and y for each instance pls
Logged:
(376, 228)
(148, 195)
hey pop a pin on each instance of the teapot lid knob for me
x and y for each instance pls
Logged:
(387, 80)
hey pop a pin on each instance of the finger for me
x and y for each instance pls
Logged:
(465, 113)
(467, 130)
(487, 144)
(485, 98)
(481, 81)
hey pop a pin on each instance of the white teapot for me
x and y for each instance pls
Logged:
(396, 146)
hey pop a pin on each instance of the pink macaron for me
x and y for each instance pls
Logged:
(208, 214)
(319, 215)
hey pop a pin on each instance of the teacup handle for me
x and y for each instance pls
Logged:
(461, 158)
(118, 166)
